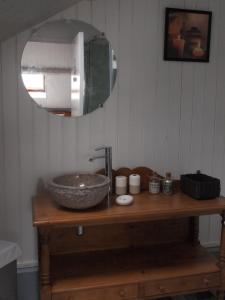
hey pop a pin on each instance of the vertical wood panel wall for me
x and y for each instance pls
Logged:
(166, 115)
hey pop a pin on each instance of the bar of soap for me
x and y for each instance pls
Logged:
(124, 200)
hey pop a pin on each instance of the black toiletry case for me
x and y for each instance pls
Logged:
(200, 186)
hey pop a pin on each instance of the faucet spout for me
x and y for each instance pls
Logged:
(96, 157)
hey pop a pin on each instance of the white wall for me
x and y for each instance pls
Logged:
(165, 115)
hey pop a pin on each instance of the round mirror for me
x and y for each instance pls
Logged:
(68, 67)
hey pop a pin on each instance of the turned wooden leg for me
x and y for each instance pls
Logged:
(45, 293)
(222, 260)
(194, 222)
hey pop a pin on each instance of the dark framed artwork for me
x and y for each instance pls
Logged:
(187, 35)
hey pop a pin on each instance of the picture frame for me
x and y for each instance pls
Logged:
(187, 35)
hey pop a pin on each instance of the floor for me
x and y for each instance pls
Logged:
(28, 285)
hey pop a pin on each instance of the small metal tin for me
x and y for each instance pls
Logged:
(167, 187)
(154, 187)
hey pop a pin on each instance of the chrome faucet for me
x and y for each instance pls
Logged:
(108, 166)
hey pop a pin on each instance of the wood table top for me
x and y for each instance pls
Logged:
(145, 207)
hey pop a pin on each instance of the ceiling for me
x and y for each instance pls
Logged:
(18, 15)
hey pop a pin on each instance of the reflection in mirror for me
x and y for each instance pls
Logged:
(68, 67)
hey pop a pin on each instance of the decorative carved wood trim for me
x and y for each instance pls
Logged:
(144, 172)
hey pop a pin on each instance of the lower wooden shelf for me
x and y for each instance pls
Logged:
(133, 273)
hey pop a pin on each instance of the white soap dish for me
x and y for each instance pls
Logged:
(124, 200)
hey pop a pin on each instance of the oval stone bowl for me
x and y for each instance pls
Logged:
(79, 190)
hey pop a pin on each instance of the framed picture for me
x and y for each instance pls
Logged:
(187, 35)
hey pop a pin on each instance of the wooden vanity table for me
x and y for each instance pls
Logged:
(144, 251)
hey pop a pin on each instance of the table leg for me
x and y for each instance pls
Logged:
(44, 265)
(194, 221)
(222, 260)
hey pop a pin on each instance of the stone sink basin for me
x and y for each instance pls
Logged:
(79, 190)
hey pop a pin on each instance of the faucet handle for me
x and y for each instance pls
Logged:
(101, 148)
